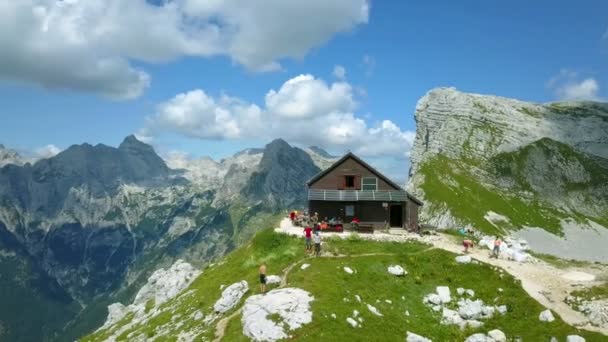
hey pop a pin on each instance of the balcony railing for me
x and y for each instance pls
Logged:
(357, 195)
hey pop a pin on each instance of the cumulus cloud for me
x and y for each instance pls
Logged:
(339, 72)
(90, 45)
(306, 97)
(305, 110)
(568, 85)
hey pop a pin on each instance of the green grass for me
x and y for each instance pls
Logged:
(559, 262)
(329, 285)
(451, 184)
(596, 292)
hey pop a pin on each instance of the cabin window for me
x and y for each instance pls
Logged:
(350, 210)
(369, 183)
(349, 181)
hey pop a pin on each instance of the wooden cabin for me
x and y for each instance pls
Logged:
(352, 188)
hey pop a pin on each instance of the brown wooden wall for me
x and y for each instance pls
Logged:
(334, 180)
(367, 211)
(412, 215)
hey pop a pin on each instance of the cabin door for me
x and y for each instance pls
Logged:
(396, 215)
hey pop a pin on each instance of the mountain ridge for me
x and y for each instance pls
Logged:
(475, 156)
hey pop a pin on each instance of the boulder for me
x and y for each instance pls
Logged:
(450, 317)
(273, 279)
(373, 310)
(574, 338)
(470, 293)
(292, 306)
(396, 270)
(444, 294)
(463, 259)
(502, 309)
(546, 316)
(231, 296)
(352, 322)
(471, 309)
(411, 337)
(479, 337)
(432, 298)
(348, 270)
(497, 335)
(304, 266)
(460, 291)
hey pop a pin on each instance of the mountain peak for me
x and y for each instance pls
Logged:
(321, 152)
(131, 141)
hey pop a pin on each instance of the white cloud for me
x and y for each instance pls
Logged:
(305, 110)
(568, 85)
(89, 45)
(339, 72)
(306, 97)
(369, 63)
(45, 152)
(198, 115)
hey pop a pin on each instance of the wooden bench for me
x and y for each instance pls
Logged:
(365, 228)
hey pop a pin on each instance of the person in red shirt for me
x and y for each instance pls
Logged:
(292, 216)
(308, 235)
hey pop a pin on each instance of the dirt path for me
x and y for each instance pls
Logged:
(541, 281)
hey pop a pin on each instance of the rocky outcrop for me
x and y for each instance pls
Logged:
(477, 158)
(281, 177)
(8, 156)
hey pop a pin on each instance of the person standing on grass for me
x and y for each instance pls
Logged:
(263, 278)
(308, 236)
(317, 239)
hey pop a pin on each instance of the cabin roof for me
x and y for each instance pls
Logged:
(367, 166)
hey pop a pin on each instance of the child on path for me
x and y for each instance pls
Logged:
(317, 239)
(466, 243)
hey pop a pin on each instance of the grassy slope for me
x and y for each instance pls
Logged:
(453, 184)
(329, 285)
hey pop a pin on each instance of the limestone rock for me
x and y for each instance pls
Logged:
(396, 270)
(546, 316)
(292, 305)
(411, 337)
(231, 296)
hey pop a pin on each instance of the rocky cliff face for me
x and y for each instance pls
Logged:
(280, 179)
(88, 226)
(500, 164)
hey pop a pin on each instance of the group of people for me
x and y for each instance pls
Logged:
(310, 238)
(468, 243)
(301, 218)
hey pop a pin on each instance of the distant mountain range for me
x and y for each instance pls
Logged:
(88, 226)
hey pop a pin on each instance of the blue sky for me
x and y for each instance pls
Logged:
(392, 55)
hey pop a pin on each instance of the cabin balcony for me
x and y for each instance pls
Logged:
(357, 195)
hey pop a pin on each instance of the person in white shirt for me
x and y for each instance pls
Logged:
(317, 240)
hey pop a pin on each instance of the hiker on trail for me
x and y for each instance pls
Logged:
(263, 278)
(496, 249)
(292, 216)
(308, 235)
(466, 243)
(317, 239)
